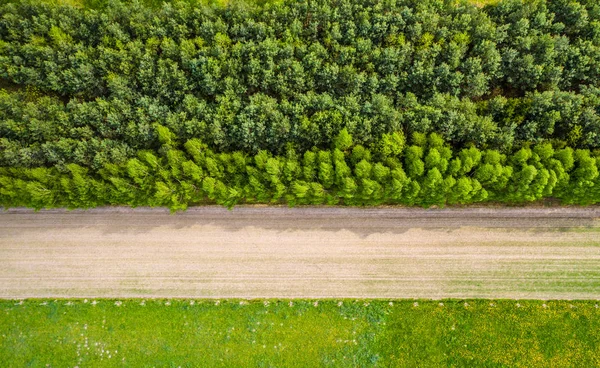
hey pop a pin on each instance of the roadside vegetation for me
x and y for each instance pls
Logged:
(426, 172)
(299, 333)
(322, 102)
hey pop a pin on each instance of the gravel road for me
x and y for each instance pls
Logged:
(251, 252)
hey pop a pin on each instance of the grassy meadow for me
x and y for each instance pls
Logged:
(298, 333)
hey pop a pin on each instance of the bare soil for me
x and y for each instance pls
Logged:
(276, 252)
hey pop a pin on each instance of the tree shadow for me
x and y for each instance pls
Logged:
(362, 222)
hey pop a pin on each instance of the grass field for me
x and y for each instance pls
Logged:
(299, 333)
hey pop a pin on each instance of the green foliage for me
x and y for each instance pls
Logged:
(391, 145)
(343, 141)
(92, 82)
(425, 176)
(362, 103)
(165, 136)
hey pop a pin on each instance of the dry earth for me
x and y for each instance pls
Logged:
(305, 252)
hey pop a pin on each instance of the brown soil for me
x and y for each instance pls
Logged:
(305, 252)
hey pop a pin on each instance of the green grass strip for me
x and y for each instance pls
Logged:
(299, 333)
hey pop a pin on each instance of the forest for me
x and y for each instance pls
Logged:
(410, 102)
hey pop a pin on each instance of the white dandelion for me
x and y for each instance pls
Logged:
(217, 302)
(118, 303)
(316, 304)
(391, 304)
(441, 304)
(415, 304)
(291, 304)
(266, 303)
(340, 304)
(192, 302)
(94, 302)
(167, 303)
(85, 301)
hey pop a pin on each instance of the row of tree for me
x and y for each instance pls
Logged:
(284, 48)
(43, 131)
(425, 172)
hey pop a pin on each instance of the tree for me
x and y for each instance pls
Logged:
(415, 167)
(391, 145)
(343, 141)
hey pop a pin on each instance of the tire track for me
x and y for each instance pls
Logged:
(305, 252)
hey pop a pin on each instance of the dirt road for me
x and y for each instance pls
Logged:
(305, 252)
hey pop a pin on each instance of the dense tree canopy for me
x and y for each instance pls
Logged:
(428, 172)
(425, 102)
